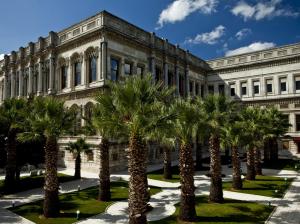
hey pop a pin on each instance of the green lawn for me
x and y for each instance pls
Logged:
(85, 201)
(158, 174)
(263, 185)
(231, 211)
(27, 183)
(283, 164)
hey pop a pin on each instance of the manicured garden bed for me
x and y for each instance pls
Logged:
(263, 185)
(231, 211)
(283, 164)
(85, 201)
(27, 183)
(158, 174)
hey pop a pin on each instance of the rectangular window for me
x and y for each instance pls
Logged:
(211, 89)
(269, 86)
(283, 85)
(92, 69)
(127, 69)
(297, 83)
(114, 69)
(197, 89)
(181, 85)
(202, 90)
(244, 89)
(77, 69)
(170, 79)
(256, 87)
(139, 70)
(221, 89)
(64, 77)
(191, 87)
(298, 122)
(232, 90)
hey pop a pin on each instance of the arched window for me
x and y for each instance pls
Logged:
(46, 77)
(77, 73)
(77, 122)
(114, 69)
(64, 77)
(92, 69)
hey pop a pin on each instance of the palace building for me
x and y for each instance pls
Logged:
(73, 64)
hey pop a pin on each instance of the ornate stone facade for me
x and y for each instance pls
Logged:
(75, 63)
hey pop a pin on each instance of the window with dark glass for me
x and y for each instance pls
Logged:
(170, 79)
(232, 91)
(256, 88)
(244, 90)
(90, 156)
(197, 89)
(210, 89)
(297, 84)
(114, 69)
(92, 69)
(269, 88)
(297, 122)
(128, 69)
(158, 74)
(64, 77)
(202, 90)
(191, 87)
(283, 86)
(77, 69)
(221, 89)
(181, 85)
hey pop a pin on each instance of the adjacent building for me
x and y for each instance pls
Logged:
(75, 63)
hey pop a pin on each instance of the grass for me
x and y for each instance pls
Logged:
(263, 185)
(27, 183)
(283, 164)
(231, 211)
(158, 174)
(85, 201)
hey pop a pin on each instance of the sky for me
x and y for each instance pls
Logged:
(207, 28)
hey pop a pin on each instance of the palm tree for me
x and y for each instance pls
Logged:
(218, 110)
(12, 116)
(276, 125)
(233, 136)
(185, 130)
(77, 148)
(136, 114)
(50, 119)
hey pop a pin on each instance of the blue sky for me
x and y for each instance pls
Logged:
(208, 28)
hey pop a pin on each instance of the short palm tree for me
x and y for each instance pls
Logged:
(185, 129)
(12, 119)
(77, 148)
(218, 109)
(137, 114)
(50, 119)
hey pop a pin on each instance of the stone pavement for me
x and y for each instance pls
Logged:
(163, 202)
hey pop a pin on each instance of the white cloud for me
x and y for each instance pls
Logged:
(180, 9)
(208, 38)
(243, 33)
(1, 57)
(256, 46)
(261, 10)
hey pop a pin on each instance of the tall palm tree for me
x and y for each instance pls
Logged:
(137, 114)
(50, 119)
(185, 129)
(12, 117)
(276, 125)
(219, 109)
(77, 148)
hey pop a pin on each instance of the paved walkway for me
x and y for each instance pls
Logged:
(163, 202)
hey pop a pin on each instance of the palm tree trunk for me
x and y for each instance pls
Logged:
(187, 210)
(250, 164)
(167, 163)
(137, 200)
(198, 154)
(11, 164)
(104, 176)
(216, 191)
(51, 202)
(257, 161)
(77, 174)
(237, 182)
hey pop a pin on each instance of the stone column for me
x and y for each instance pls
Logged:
(134, 67)
(187, 82)
(290, 83)
(21, 83)
(122, 67)
(152, 67)
(177, 80)
(292, 121)
(5, 87)
(276, 85)
(40, 79)
(30, 79)
(103, 60)
(250, 87)
(194, 88)
(51, 75)
(13, 84)
(166, 71)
